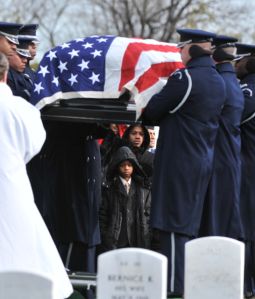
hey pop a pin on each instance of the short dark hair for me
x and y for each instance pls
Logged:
(250, 65)
(4, 65)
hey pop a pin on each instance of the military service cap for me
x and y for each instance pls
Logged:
(10, 31)
(224, 41)
(29, 31)
(245, 49)
(22, 47)
(188, 36)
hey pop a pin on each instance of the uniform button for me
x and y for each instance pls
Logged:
(94, 180)
(94, 158)
(88, 180)
(88, 159)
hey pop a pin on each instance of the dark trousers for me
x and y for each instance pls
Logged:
(249, 269)
(77, 257)
(172, 245)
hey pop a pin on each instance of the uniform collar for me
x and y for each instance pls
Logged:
(201, 61)
(225, 67)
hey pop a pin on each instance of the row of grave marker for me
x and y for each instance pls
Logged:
(214, 268)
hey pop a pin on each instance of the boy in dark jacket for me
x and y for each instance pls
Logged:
(125, 205)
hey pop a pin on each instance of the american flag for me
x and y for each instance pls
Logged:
(104, 67)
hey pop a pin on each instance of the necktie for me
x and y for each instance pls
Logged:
(127, 187)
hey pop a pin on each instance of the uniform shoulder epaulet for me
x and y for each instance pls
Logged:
(246, 90)
(178, 74)
(183, 73)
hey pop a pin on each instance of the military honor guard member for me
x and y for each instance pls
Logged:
(245, 69)
(28, 32)
(187, 109)
(221, 215)
(20, 84)
(9, 38)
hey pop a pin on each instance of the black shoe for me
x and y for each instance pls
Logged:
(174, 295)
(249, 295)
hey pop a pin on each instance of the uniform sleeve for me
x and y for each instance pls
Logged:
(10, 82)
(18, 86)
(249, 103)
(170, 98)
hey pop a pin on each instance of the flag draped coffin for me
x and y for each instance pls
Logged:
(105, 67)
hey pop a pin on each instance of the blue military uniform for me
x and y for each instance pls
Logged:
(187, 110)
(20, 83)
(28, 31)
(66, 181)
(221, 216)
(247, 83)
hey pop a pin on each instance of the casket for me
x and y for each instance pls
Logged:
(102, 78)
(122, 110)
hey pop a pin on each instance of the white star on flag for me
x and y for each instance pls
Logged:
(74, 53)
(52, 54)
(87, 45)
(65, 45)
(72, 79)
(38, 87)
(84, 64)
(94, 78)
(102, 40)
(96, 53)
(62, 66)
(44, 70)
(55, 81)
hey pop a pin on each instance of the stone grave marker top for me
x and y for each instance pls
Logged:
(132, 273)
(214, 268)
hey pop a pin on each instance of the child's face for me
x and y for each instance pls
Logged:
(126, 169)
(136, 136)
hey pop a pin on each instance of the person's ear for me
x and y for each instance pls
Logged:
(196, 51)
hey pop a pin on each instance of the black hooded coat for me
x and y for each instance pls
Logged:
(118, 206)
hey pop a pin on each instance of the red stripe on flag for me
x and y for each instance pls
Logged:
(152, 75)
(131, 57)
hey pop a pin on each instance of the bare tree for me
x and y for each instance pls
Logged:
(54, 17)
(64, 20)
(150, 18)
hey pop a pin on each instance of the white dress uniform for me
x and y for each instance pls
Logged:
(25, 243)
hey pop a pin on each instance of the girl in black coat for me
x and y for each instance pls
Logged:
(137, 138)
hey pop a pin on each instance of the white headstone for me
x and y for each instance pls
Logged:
(214, 268)
(25, 285)
(132, 273)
